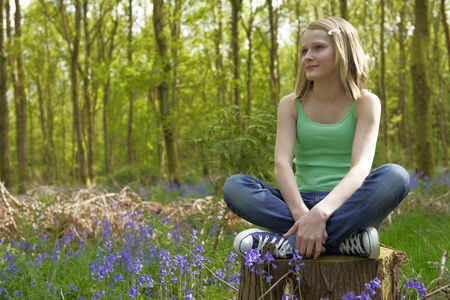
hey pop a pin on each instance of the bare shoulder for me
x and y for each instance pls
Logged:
(288, 105)
(368, 105)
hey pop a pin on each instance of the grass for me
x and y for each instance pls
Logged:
(194, 259)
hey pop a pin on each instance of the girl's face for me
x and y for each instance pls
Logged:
(318, 55)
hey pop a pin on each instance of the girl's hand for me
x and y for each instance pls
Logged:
(311, 234)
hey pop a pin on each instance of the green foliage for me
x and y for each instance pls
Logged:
(236, 144)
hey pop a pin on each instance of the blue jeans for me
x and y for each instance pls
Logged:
(258, 203)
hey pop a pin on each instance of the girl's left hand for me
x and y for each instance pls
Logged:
(311, 234)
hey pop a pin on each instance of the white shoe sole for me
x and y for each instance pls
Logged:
(238, 239)
(374, 242)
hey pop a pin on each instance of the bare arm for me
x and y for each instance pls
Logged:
(284, 154)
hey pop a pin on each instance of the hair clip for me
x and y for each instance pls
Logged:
(334, 31)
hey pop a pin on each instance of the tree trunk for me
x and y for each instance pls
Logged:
(21, 104)
(402, 100)
(249, 31)
(5, 171)
(43, 123)
(422, 90)
(218, 32)
(47, 90)
(236, 6)
(74, 49)
(130, 63)
(106, 93)
(343, 7)
(90, 107)
(174, 170)
(274, 81)
(330, 276)
(441, 105)
(383, 91)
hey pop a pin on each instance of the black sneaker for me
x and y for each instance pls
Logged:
(363, 243)
(255, 238)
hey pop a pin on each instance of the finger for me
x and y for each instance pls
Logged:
(309, 249)
(318, 247)
(291, 231)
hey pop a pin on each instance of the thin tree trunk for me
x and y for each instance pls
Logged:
(343, 7)
(402, 103)
(163, 94)
(422, 90)
(152, 100)
(106, 94)
(221, 91)
(21, 104)
(236, 6)
(74, 49)
(5, 171)
(130, 63)
(274, 81)
(87, 79)
(249, 31)
(43, 124)
(383, 91)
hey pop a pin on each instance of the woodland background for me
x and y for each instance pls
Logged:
(120, 90)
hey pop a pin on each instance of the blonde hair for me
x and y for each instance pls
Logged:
(350, 59)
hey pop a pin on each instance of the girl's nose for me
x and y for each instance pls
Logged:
(308, 55)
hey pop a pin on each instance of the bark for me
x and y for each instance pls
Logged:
(73, 44)
(383, 91)
(422, 90)
(107, 89)
(48, 92)
(236, 6)
(43, 125)
(130, 63)
(441, 104)
(274, 80)
(402, 100)
(298, 38)
(87, 79)
(20, 104)
(329, 277)
(343, 7)
(5, 171)
(249, 31)
(153, 103)
(174, 170)
(218, 33)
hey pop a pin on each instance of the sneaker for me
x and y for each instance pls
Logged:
(255, 238)
(362, 243)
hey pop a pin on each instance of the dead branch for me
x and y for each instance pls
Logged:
(10, 209)
(442, 267)
(444, 288)
(438, 198)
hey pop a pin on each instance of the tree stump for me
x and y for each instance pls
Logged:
(330, 276)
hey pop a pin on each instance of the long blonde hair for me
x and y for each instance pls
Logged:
(350, 59)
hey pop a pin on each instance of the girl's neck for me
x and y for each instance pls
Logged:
(328, 91)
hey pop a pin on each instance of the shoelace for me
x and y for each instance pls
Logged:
(281, 248)
(352, 245)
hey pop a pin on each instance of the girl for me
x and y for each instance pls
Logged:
(327, 131)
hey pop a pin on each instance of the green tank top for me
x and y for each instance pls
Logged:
(323, 151)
